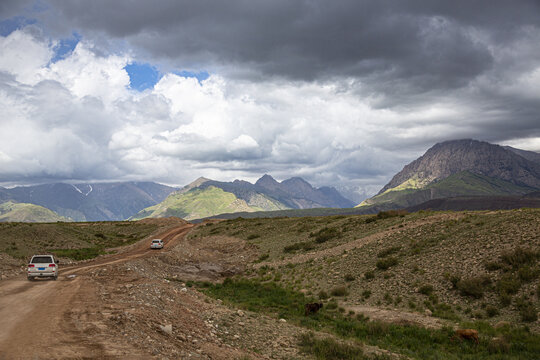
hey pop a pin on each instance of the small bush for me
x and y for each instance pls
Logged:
(425, 289)
(527, 273)
(491, 311)
(391, 214)
(339, 291)
(253, 236)
(385, 264)
(388, 251)
(527, 310)
(324, 235)
(368, 275)
(371, 219)
(349, 277)
(332, 305)
(323, 295)
(519, 257)
(493, 266)
(498, 345)
(328, 348)
(366, 294)
(263, 257)
(304, 245)
(473, 287)
(508, 284)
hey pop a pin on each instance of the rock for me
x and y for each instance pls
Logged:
(240, 313)
(501, 324)
(183, 289)
(167, 329)
(282, 320)
(428, 312)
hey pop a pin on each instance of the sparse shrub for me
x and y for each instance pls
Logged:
(527, 273)
(412, 304)
(329, 348)
(368, 275)
(339, 291)
(388, 251)
(454, 280)
(303, 245)
(100, 235)
(498, 345)
(391, 214)
(388, 298)
(506, 299)
(493, 265)
(385, 264)
(508, 284)
(332, 305)
(323, 295)
(263, 257)
(253, 236)
(519, 257)
(474, 286)
(527, 310)
(491, 311)
(370, 219)
(324, 235)
(425, 289)
(349, 277)
(366, 294)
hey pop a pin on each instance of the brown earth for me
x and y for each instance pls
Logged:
(123, 306)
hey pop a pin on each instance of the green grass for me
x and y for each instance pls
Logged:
(196, 204)
(77, 241)
(21, 212)
(411, 341)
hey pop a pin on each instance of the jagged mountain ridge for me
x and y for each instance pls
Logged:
(462, 168)
(204, 198)
(91, 202)
(451, 157)
(295, 193)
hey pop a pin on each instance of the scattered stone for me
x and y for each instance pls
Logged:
(183, 289)
(167, 329)
(428, 312)
(282, 320)
(240, 313)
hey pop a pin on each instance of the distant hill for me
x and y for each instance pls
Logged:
(461, 168)
(474, 203)
(91, 202)
(20, 212)
(194, 202)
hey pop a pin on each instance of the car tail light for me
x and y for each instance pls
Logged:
(31, 265)
(52, 265)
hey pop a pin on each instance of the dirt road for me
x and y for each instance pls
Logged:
(35, 315)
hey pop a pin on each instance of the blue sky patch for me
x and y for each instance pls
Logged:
(8, 26)
(201, 75)
(65, 47)
(142, 76)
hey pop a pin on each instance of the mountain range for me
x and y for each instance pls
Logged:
(90, 202)
(461, 168)
(205, 197)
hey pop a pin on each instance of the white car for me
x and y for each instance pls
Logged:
(156, 244)
(43, 266)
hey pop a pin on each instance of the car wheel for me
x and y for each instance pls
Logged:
(30, 278)
(55, 278)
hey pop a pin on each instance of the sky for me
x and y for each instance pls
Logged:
(341, 93)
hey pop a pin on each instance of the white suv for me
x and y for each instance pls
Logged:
(43, 266)
(156, 244)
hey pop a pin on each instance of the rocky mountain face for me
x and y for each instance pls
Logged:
(204, 198)
(91, 202)
(462, 168)
(294, 193)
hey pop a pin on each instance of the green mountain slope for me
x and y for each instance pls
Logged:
(464, 183)
(197, 203)
(22, 212)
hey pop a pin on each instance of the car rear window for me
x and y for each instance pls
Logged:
(42, 260)
(156, 241)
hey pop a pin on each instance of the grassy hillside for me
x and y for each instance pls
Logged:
(72, 240)
(461, 266)
(197, 203)
(461, 184)
(21, 212)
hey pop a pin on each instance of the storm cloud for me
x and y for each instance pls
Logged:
(341, 93)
